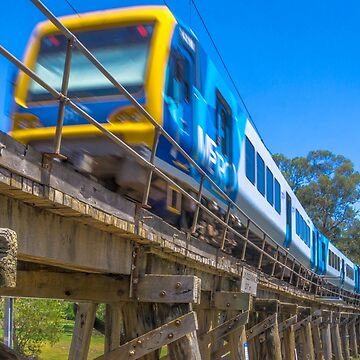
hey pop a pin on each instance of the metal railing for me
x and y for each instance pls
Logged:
(309, 278)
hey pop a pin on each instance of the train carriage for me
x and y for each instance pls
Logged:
(162, 64)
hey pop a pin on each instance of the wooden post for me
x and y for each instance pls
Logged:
(353, 339)
(288, 338)
(336, 342)
(344, 333)
(319, 353)
(265, 335)
(138, 319)
(326, 342)
(84, 322)
(113, 325)
(273, 341)
(205, 323)
(309, 342)
(186, 347)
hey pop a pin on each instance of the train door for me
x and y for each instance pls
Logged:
(321, 245)
(223, 122)
(342, 271)
(314, 248)
(178, 102)
(356, 278)
(288, 236)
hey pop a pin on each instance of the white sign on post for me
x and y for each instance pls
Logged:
(249, 282)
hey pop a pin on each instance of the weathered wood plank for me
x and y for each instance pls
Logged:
(84, 322)
(69, 286)
(230, 300)
(169, 289)
(154, 339)
(58, 241)
(269, 306)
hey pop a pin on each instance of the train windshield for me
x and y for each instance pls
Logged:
(123, 51)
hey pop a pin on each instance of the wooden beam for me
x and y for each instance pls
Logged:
(8, 257)
(84, 322)
(64, 242)
(288, 308)
(169, 289)
(69, 286)
(229, 300)
(270, 306)
(155, 339)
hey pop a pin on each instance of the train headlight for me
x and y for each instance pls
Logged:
(25, 121)
(125, 114)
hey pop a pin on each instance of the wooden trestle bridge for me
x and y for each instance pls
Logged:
(65, 236)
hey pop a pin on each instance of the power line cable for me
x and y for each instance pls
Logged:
(72, 7)
(224, 65)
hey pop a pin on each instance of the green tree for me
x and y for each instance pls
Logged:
(37, 322)
(328, 187)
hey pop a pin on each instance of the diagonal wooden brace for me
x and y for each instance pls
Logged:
(261, 327)
(155, 339)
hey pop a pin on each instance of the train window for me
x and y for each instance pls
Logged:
(223, 125)
(269, 186)
(260, 165)
(277, 197)
(297, 222)
(250, 160)
(349, 272)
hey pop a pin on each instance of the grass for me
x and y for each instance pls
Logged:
(60, 350)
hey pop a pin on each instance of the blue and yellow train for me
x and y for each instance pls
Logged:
(161, 63)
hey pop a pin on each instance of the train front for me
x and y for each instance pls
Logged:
(133, 45)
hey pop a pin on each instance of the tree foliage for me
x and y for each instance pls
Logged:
(328, 187)
(36, 322)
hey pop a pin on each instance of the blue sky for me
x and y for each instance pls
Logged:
(296, 64)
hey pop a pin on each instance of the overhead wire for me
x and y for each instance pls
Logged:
(224, 65)
(72, 7)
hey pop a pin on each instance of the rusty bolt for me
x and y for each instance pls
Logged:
(163, 293)
(170, 335)
(178, 322)
(131, 352)
(139, 342)
(228, 305)
(178, 285)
